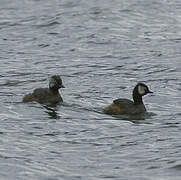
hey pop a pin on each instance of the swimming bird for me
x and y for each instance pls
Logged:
(47, 95)
(129, 107)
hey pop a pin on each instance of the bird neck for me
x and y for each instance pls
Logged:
(137, 98)
(54, 90)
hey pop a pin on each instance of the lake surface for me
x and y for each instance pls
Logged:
(101, 49)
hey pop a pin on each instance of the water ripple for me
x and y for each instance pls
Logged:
(101, 50)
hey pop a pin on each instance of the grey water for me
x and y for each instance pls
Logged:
(101, 49)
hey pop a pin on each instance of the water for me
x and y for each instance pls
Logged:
(101, 49)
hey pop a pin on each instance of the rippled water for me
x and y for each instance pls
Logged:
(101, 49)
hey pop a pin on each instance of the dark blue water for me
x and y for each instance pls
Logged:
(101, 49)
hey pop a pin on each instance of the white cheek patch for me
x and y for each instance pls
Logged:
(52, 83)
(141, 90)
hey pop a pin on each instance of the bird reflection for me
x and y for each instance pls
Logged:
(51, 111)
(136, 119)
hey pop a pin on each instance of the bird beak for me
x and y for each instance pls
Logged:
(150, 92)
(62, 86)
